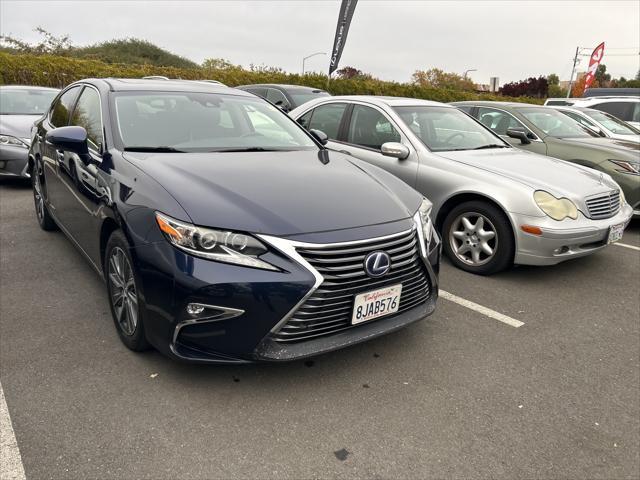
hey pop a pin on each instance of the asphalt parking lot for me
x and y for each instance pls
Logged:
(459, 395)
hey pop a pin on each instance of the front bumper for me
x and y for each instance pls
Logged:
(14, 161)
(563, 240)
(254, 301)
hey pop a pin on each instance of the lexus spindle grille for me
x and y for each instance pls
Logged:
(329, 309)
(603, 205)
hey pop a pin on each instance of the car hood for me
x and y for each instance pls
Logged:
(603, 144)
(537, 171)
(279, 193)
(17, 125)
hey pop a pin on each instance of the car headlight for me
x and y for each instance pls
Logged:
(424, 213)
(623, 199)
(219, 245)
(623, 166)
(556, 208)
(13, 141)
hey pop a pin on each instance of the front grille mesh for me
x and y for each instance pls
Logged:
(328, 310)
(603, 206)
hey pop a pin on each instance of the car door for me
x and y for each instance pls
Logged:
(367, 128)
(81, 177)
(499, 121)
(52, 157)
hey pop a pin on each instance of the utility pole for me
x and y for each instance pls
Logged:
(575, 61)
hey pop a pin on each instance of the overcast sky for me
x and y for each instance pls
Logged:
(390, 39)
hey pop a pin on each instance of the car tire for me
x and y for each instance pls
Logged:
(477, 237)
(45, 220)
(123, 292)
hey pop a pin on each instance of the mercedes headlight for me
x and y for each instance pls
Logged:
(220, 245)
(556, 208)
(13, 141)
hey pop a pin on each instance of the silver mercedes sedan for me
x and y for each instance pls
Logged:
(493, 204)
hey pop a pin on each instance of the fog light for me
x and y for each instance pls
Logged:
(195, 309)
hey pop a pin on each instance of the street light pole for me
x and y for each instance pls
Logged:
(575, 61)
(304, 59)
(467, 71)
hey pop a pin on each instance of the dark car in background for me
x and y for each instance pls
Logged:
(287, 97)
(225, 232)
(547, 131)
(20, 107)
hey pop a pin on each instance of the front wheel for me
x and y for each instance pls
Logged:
(478, 238)
(124, 295)
(45, 220)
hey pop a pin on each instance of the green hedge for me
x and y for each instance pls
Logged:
(52, 71)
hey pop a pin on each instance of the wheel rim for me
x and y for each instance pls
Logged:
(473, 239)
(37, 194)
(124, 297)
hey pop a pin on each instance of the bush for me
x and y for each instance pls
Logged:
(57, 71)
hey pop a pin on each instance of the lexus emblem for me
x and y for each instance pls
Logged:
(377, 264)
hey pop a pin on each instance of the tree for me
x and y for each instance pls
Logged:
(601, 75)
(553, 79)
(48, 45)
(436, 78)
(531, 87)
(218, 64)
(638, 75)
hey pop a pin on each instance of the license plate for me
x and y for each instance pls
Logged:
(615, 232)
(376, 304)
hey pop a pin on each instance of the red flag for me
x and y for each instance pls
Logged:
(594, 62)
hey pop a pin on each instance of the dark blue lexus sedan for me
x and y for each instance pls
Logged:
(224, 231)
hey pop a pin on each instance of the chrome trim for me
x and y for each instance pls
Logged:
(224, 313)
(288, 247)
(423, 245)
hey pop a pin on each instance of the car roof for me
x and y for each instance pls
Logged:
(28, 87)
(604, 98)
(140, 84)
(381, 100)
(283, 86)
(487, 103)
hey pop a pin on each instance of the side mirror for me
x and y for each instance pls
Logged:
(395, 150)
(519, 134)
(319, 135)
(72, 139)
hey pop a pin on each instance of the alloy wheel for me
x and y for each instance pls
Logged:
(37, 194)
(124, 297)
(473, 238)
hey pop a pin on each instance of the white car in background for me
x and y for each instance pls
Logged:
(624, 108)
(602, 123)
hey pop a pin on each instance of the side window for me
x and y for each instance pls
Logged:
(261, 92)
(579, 119)
(304, 120)
(636, 112)
(370, 128)
(62, 108)
(497, 120)
(87, 114)
(617, 109)
(327, 118)
(276, 97)
(465, 108)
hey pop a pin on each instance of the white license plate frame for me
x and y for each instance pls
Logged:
(376, 304)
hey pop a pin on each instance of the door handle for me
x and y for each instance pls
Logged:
(345, 152)
(60, 156)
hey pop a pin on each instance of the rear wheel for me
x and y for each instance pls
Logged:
(45, 220)
(124, 297)
(478, 238)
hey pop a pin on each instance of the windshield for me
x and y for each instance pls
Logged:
(443, 129)
(303, 96)
(611, 123)
(25, 102)
(204, 122)
(554, 123)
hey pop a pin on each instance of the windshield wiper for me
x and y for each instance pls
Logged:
(247, 149)
(154, 149)
(491, 145)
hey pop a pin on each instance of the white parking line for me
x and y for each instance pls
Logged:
(626, 245)
(481, 309)
(11, 467)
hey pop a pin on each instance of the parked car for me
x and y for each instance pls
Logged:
(611, 92)
(287, 97)
(493, 204)
(624, 108)
(225, 232)
(560, 101)
(546, 131)
(20, 106)
(602, 123)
